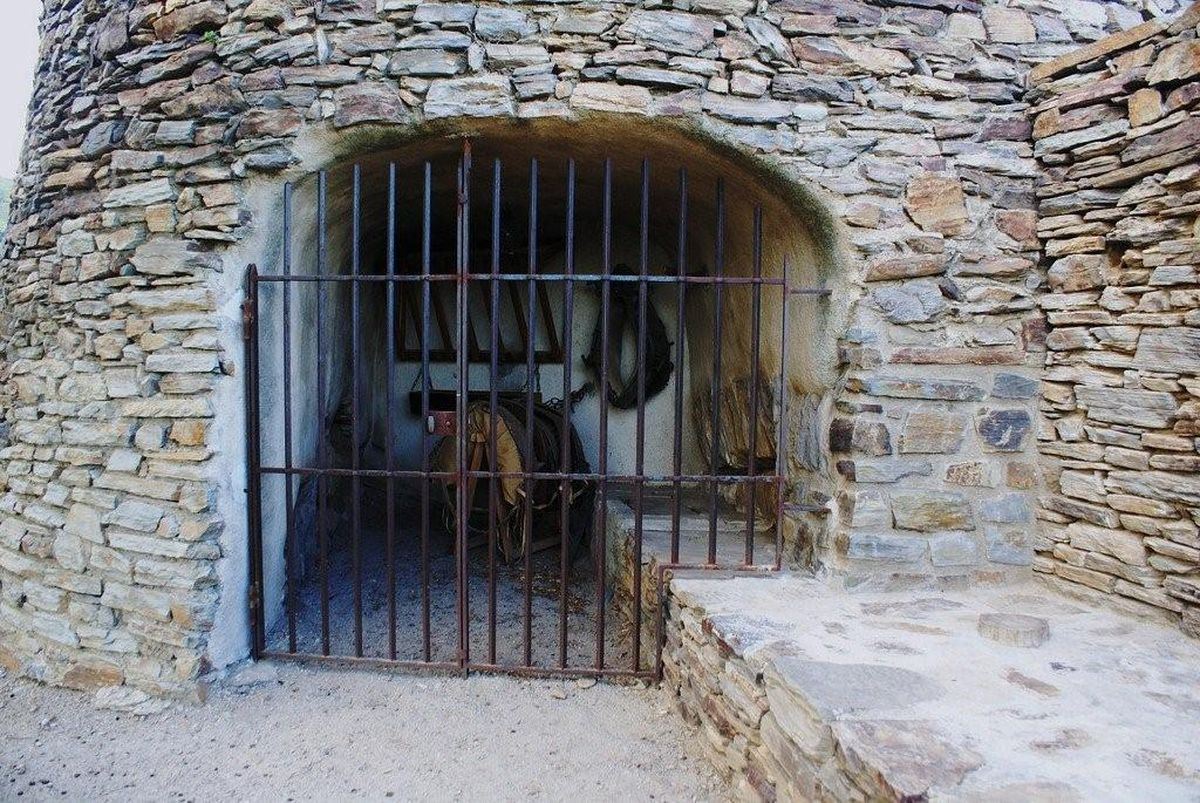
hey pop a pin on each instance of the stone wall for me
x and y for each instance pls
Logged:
(1117, 131)
(160, 133)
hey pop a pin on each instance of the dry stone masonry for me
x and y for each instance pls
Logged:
(1116, 130)
(158, 128)
(802, 692)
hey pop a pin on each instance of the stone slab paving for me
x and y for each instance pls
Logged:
(906, 697)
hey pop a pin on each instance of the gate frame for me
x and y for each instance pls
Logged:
(462, 277)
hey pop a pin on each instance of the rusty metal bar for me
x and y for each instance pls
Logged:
(451, 667)
(250, 313)
(680, 302)
(577, 476)
(322, 411)
(355, 446)
(600, 551)
(426, 232)
(781, 424)
(289, 541)
(464, 389)
(565, 485)
(548, 278)
(755, 353)
(389, 412)
(639, 487)
(493, 416)
(529, 369)
(718, 337)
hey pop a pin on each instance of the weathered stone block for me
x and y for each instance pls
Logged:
(1006, 509)
(934, 389)
(582, 22)
(871, 510)
(670, 31)
(976, 473)
(368, 103)
(932, 511)
(1125, 546)
(883, 471)
(953, 549)
(476, 96)
(1077, 272)
(903, 758)
(886, 546)
(1014, 386)
(912, 302)
(1008, 25)
(1175, 63)
(932, 432)
(1174, 349)
(427, 63)
(499, 24)
(1008, 546)
(745, 110)
(1143, 408)
(1003, 430)
(611, 98)
(935, 202)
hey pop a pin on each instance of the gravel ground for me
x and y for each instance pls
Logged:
(443, 611)
(321, 734)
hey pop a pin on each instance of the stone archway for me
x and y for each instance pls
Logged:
(792, 221)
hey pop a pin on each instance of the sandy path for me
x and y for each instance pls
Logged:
(321, 734)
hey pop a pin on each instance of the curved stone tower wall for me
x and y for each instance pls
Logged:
(160, 134)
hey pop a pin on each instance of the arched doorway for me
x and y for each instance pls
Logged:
(439, 476)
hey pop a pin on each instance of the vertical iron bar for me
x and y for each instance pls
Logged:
(356, 359)
(680, 299)
(389, 411)
(718, 314)
(289, 548)
(756, 331)
(601, 532)
(781, 425)
(565, 486)
(322, 411)
(531, 346)
(426, 228)
(253, 463)
(493, 403)
(464, 389)
(640, 450)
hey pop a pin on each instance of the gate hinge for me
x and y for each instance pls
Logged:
(247, 317)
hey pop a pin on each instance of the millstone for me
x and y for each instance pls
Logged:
(1014, 629)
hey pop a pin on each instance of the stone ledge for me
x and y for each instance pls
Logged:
(1114, 43)
(805, 692)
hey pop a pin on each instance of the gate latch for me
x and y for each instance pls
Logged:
(441, 422)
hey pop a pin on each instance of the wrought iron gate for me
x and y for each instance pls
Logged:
(326, 521)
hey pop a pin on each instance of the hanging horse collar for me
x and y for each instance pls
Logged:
(655, 349)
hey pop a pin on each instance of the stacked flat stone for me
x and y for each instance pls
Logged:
(121, 532)
(780, 727)
(1117, 130)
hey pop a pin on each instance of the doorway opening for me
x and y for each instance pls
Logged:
(494, 394)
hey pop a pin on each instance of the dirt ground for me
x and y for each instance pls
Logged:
(302, 733)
